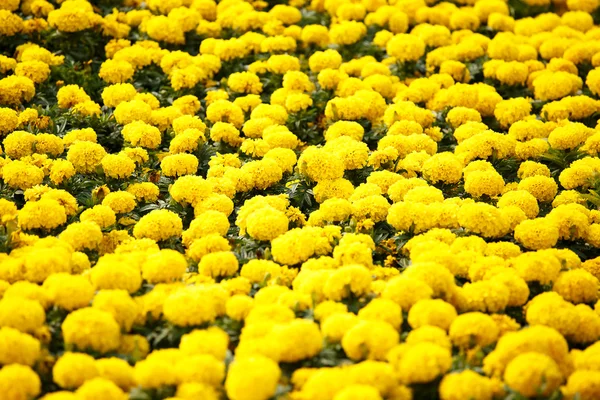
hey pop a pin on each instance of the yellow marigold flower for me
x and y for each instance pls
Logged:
(60, 171)
(184, 122)
(567, 197)
(7, 208)
(153, 269)
(354, 391)
(395, 290)
(539, 338)
(208, 244)
(244, 82)
(382, 310)
(195, 305)
(187, 141)
(335, 210)
(136, 346)
(406, 47)
(543, 188)
(7, 64)
(572, 221)
(18, 174)
(264, 173)
(225, 111)
(46, 143)
(19, 144)
(531, 149)
(190, 189)
(11, 23)
(73, 19)
(577, 286)
(144, 191)
(238, 306)
(563, 317)
(429, 334)
(588, 325)
(127, 112)
(154, 372)
(486, 296)
(100, 387)
(188, 104)
(218, 264)
(10, 5)
(407, 358)
(484, 183)
(518, 289)
(179, 164)
(532, 373)
(210, 222)
(164, 29)
(296, 102)
(158, 225)
(71, 95)
(316, 34)
(582, 383)
(285, 158)
(532, 168)
(85, 156)
(15, 89)
(320, 165)
(328, 308)
(522, 199)
(512, 73)
(102, 215)
(18, 348)
(19, 381)
(303, 340)
(118, 93)
(555, 85)
(335, 326)
(82, 235)
(442, 167)
(473, 329)
(507, 112)
(117, 166)
(246, 372)
(119, 304)
(74, 369)
(266, 223)
(43, 214)
(569, 136)
(138, 133)
(431, 313)
(37, 71)
(69, 292)
(200, 368)
(212, 341)
(116, 71)
(83, 135)
(225, 132)
(347, 280)
(466, 384)
(369, 340)
(10, 120)
(91, 329)
(471, 217)
(120, 202)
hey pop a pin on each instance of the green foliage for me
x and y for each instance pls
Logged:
(558, 160)
(520, 9)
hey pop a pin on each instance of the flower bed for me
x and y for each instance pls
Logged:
(325, 200)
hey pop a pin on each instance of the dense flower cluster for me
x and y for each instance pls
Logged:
(301, 200)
